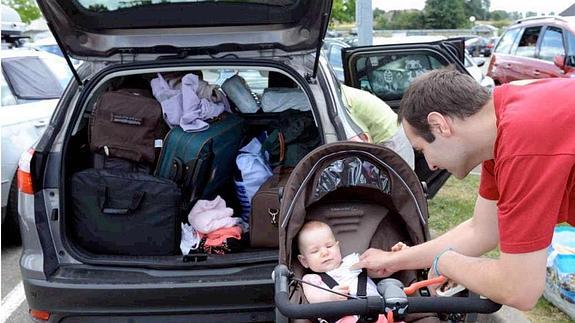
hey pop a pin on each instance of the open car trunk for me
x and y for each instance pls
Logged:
(116, 205)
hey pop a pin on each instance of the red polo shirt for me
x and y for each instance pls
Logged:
(532, 175)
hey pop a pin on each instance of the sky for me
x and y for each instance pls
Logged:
(539, 6)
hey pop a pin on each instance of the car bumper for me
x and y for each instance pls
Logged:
(176, 299)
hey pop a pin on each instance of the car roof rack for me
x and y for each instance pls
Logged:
(541, 17)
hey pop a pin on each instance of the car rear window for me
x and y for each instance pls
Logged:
(31, 79)
(112, 5)
(552, 44)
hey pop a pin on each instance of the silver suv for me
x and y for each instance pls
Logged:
(127, 42)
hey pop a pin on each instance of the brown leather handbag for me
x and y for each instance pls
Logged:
(264, 217)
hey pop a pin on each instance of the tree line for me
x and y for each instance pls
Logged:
(437, 14)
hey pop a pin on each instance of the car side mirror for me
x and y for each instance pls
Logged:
(479, 61)
(559, 61)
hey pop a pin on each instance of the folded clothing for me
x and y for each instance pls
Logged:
(208, 216)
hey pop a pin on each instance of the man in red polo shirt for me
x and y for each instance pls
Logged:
(525, 137)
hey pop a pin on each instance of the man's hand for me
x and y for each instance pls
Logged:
(378, 263)
(342, 290)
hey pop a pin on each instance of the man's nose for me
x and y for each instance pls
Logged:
(431, 165)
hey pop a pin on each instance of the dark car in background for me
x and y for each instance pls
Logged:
(534, 48)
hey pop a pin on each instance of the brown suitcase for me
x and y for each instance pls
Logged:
(265, 211)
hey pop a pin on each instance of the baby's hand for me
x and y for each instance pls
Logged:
(342, 290)
(399, 246)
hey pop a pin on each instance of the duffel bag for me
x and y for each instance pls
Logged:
(125, 213)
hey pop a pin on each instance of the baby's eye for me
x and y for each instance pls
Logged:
(314, 251)
(331, 245)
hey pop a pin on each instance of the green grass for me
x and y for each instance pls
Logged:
(452, 205)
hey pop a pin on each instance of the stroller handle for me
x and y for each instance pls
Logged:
(373, 305)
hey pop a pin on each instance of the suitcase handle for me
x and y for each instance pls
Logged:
(103, 199)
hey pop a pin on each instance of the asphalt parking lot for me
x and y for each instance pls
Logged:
(14, 306)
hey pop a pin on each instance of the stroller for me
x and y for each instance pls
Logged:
(370, 198)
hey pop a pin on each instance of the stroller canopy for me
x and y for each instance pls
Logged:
(367, 194)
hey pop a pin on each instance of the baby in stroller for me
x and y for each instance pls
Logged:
(320, 253)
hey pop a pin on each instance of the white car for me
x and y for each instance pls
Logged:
(31, 84)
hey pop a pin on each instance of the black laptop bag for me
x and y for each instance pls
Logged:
(125, 213)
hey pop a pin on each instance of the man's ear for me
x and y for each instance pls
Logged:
(303, 261)
(439, 124)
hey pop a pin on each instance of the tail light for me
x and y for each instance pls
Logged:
(24, 174)
(40, 315)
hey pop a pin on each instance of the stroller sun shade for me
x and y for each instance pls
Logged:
(351, 171)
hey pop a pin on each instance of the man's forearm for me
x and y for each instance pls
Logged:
(516, 284)
(465, 238)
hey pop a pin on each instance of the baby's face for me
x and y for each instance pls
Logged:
(319, 250)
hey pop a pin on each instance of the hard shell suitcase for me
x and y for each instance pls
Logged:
(265, 211)
(125, 213)
(202, 162)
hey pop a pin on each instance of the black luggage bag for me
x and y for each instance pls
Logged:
(125, 213)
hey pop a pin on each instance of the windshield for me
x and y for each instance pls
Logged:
(111, 5)
(35, 78)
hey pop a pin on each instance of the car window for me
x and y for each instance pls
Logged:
(256, 80)
(552, 44)
(31, 78)
(570, 49)
(389, 75)
(528, 42)
(335, 56)
(7, 97)
(507, 40)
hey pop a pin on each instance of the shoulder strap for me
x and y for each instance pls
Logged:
(328, 280)
(362, 283)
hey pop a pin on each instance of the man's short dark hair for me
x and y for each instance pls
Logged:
(446, 91)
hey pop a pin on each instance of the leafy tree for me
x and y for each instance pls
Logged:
(408, 19)
(27, 9)
(498, 15)
(477, 8)
(530, 14)
(445, 14)
(343, 11)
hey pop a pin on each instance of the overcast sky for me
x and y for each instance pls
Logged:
(539, 6)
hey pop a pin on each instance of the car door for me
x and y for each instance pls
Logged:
(523, 64)
(551, 45)
(388, 70)
(502, 61)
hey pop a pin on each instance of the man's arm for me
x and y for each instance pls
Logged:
(516, 280)
(473, 237)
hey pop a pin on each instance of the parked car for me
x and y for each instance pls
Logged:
(332, 50)
(130, 46)
(535, 48)
(476, 46)
(491, 43)
(31, 83)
